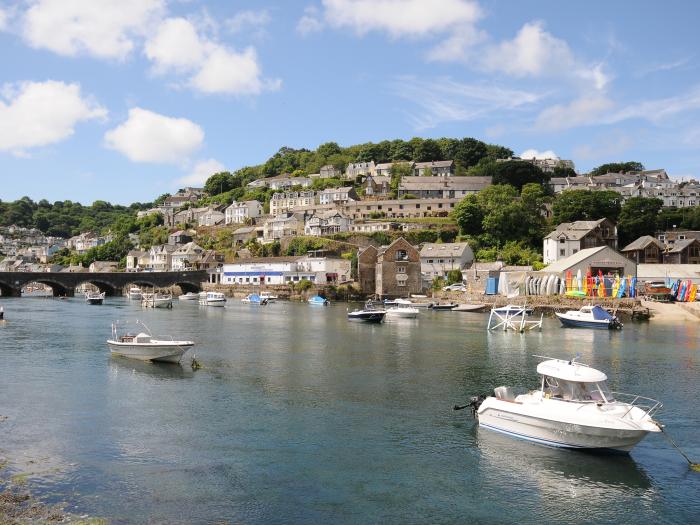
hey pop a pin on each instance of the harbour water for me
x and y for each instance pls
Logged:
(298, 416)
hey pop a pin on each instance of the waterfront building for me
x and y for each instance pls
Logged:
(137, 260)
(571, 237)
(438, 259)
(390, 271)
(683, 252)
(602, 258)
(285, 270)
(645, 250)
(160, 257)
(241, 212)
(186, 256)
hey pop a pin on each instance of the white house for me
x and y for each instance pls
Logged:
(285, 270)
(437, 260)
(329, 172)
(210, 216)
(160, 257)
(572, 237)
(289, 201)
(186, 256)
(337, 195)
(327, 223)
(284, 225)
(281, 183)
(240, 212)
(355, 169)
(137, 260)
(437, 168)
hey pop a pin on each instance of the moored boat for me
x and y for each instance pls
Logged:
(573, 408)
(469, 308)
(589, 317)
(271, 298)
(254, 299)
(317, 300)
(212, 299)
(144, 347)
(189, 296)
(135, 293)
(157, 300)
(438, 306)
(403, 312)
(94, 297)
(370, 314)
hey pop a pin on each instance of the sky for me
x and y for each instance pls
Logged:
(123, 100)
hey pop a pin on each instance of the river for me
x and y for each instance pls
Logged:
(299, 416)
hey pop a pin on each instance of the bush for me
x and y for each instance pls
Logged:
(303, 285)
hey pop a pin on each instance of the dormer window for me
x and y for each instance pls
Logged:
(401, 255)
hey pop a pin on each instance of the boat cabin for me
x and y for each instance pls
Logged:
(571, 381)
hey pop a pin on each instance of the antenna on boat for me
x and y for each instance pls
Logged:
(577, 356)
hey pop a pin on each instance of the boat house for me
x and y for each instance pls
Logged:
(602, 258)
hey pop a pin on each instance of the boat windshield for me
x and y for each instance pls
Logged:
(576, 390)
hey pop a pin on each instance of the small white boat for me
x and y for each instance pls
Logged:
(94, 297)
(403, 312)
(368, 314)
(271, 298)
(254, 299)
(144, 347)
(469, 308)
(157, 300)
(189, 296)
(589, 317)
(135, 293)
(573, 408)
(212, 299)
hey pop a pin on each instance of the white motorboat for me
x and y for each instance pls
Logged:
(135, 293)
(271, 298)
(94, 297)
(189, 296)
(212, 299)
(589, 317)
(254, 299)
(573, 408)
(144, 347)
(403, 312)
(368, 314)
(157, 300)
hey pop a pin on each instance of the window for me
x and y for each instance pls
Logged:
(562, 252)
(562, 240)
(400, 269)
(401, 255)
(430, 261)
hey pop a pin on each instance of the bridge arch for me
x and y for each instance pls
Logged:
(188, 287)
(102, 286)
(57, 288)
(6, 290)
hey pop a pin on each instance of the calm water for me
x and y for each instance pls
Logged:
(301, 417)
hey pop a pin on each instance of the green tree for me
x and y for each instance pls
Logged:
(563, 171)
(221, 182)
(585, 205)
(427, 151)
(639, 216)
(518, 173)
(469, 215)
(617, 167)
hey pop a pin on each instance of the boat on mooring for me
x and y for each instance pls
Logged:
(189, 296)
(469, 308)
(589, 317)
(573, 408)
(369, 314)
(270, 297)
(254, 299)
(317, 300)
(402, 311)
(144, 346)
(212, 299)
(439, 307)
(135, 293)
(157, 300)
(94, 297)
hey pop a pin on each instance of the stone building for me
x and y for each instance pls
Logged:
(396, 270)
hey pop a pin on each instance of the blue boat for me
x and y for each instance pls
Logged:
(254, 299)
(589, 317)
(317, 300)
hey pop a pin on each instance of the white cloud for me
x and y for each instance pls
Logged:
(39, 113)
(3, 20)
(658, 109)
(105, 29)
(177, 46)
(580, 112)
(444, 100)
(534, 154)
(149, 137)
(535, 52)
(398, 18)
(309, 22)
(456, 47)
(248, 20)
(201, 172)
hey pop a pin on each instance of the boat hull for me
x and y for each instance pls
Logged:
(560, 434)
(367, 317)
(145, 352)
(580, 323)
(95, 301)
(403, 313)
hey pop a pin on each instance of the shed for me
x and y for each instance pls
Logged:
(673, 272)
(602, 258)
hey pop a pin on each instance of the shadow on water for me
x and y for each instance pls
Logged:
(165, 371)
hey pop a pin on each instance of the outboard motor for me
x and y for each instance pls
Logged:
(475, 403)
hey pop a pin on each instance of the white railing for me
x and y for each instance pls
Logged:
(647, 404)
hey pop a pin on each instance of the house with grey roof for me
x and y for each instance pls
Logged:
(329, 172)
(438, 259)
(686, 251)
(442, 187)
(571, 237)
(645, 250)
(327, 223)
(436, 168)
(357, 169)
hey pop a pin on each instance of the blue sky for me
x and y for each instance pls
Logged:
(123, 100)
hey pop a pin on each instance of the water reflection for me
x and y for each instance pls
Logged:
(164, 371)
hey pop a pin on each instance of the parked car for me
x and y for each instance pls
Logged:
(457, 287)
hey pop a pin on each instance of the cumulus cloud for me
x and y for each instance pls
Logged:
(444, 100)
(310, 22)
(535, 154)
(149, 137)
(535, 52)
(201, 172)
(36, 114)
(582, 111)
(105, 29)
(177, 46)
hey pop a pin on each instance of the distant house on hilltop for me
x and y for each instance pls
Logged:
(436, 168)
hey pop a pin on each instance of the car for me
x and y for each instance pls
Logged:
(457, 287)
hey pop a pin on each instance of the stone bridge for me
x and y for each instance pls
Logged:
(112, 283)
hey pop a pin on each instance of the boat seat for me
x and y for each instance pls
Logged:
(504, 393)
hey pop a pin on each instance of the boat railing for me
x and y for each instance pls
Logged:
(647, 404)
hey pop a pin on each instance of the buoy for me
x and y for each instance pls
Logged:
(195, 364)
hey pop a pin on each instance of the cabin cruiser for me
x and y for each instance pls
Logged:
(254, 299)
(135, 293)
(317, 300)
(573, 408)
(369, 314)
(94, 297)
(212, 299)
(271, 298)
(403, 311)
(189, 296)
(399, 301)
(157, 300)
(144, 347)
(589, 317)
